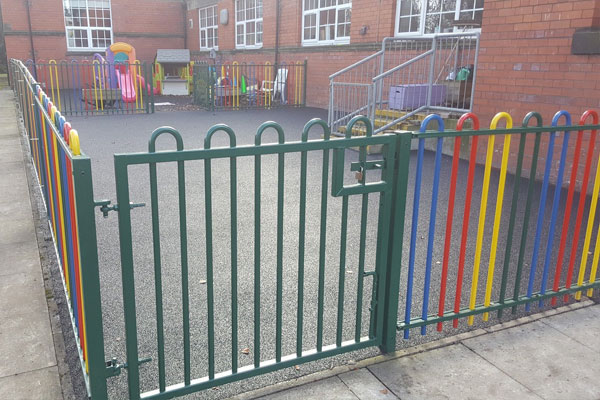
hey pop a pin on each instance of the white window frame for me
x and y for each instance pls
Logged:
(89, 29)
(317, 12)
(423, 16)
(215, 28)
(258, 5)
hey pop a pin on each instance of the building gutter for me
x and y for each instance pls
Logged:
(277, 24)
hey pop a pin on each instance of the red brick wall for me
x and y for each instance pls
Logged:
(525, 64)
(525, 60)
(145, 24)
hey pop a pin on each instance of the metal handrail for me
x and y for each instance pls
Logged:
(356, 64)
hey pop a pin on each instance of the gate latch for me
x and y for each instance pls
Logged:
(113, 367)
(105, 206)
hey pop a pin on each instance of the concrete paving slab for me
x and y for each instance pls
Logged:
(11, 156)
(13, 166)
(366, 386)
(14, 192)
(11, 209)
(25, 343)
(581, 325)
(452, 372)
(9, 147)
(16, 231)
(332, 388)
(39, 384)
(19, 258)
(22, 294)
(543, 359)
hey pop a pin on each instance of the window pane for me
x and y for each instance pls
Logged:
(447, 22)
(467, 4)
(433, 5)
(202, 38)
(259, 32)
(240, 34)
(432, 23)
(250, 37)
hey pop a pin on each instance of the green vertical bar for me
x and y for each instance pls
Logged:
(234, 278)
(362, 250)
(157, 278)
(279, 306)
(400, 165)
(184, 272)
(90, 276)
(209, 269)
(322, 247)
(511, 223)
(383, 242)
(301, 249)
(342, 272)
(257, 166)
(127, 275)
(534, 159)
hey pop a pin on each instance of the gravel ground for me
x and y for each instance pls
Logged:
(101, 137)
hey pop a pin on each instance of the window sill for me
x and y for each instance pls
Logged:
(326, 43)
(248, 47)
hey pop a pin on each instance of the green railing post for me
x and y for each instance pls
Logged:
(84, 199)
(392, 284)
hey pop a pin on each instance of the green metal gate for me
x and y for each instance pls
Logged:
(363, 185)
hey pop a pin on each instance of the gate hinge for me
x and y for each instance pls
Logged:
(105, 206)
(113, 367)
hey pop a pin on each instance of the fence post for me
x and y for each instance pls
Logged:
(304, 83)
(90, 279)
(392, 285)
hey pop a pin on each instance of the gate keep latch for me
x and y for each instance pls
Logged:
(113, 367)
(105, 206)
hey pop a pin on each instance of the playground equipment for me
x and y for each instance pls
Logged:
(173, 72)
(248, 85)
(120, 70)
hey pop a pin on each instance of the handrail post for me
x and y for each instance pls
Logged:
(477, 36)
(392, 283)
(431, 70)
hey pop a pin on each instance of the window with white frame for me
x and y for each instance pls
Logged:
(326, 21)
(422, 17)
(248, 24)
(88, 24)
(208, 22)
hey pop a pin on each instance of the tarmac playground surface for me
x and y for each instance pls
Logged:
(103, 136)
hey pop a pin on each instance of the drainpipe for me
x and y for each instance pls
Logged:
(185, 24)
(27, 4)
(277, 23)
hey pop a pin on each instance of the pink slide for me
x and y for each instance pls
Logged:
(126, 85)
(143, 83)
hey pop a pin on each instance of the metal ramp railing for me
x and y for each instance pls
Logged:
(406, 77)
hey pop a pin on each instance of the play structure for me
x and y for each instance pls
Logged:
(120, 70)
(173, 72)
(249, 85)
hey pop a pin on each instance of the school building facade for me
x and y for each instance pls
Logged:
(534, 54)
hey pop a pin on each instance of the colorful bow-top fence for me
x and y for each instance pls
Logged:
(541, 265)
(248, 85)
(65, 181)
(82, 87)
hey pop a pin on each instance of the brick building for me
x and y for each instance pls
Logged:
(70, 29)
(526, 52)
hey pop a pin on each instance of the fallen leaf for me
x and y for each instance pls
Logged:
(297, 368)
(383, 391)
(202, 282)
(348, 271)
(246, 351)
